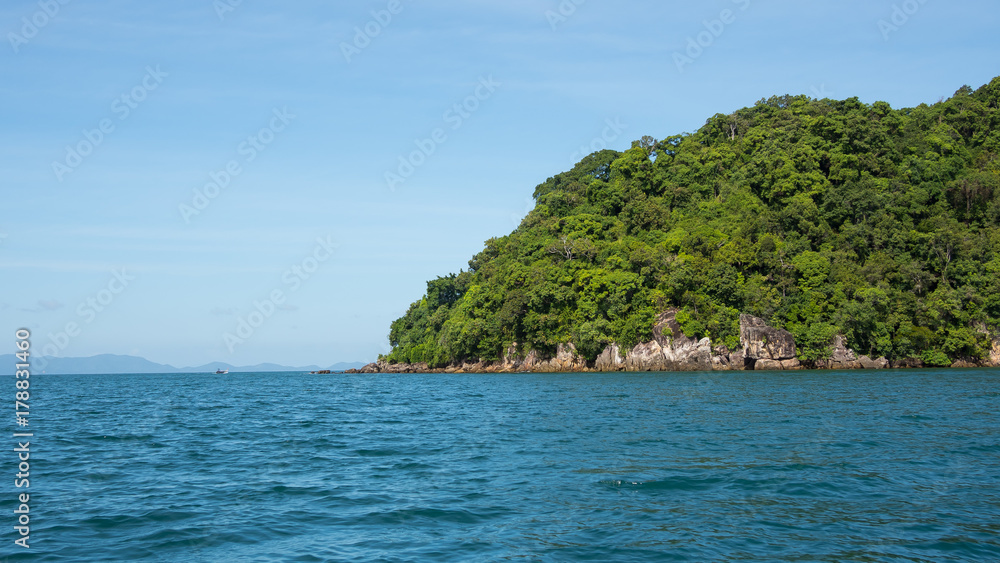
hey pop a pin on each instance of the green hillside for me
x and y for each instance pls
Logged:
(819, 216)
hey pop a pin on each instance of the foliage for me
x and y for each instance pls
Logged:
(821, 216)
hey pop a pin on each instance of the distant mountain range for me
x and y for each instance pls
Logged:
(111, 364)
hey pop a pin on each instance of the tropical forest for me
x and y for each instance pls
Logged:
(822, 217)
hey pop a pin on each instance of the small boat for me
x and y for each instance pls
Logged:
(221, 371)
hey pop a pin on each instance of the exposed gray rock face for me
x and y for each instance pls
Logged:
(777, 365)
(762, 342)
(762, 348)
(737, 360)
(566, 359)
(383, 366)
(724, 360)
(670, 349)
(610, 359)
(841, 357)
(647, 356)
(994, 357)
(512, 360)
(841, 353)
(877, 363)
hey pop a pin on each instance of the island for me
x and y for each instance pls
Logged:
(796, 233)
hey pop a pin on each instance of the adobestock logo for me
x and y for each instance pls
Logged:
(364, 36)
(293, 278)
(122, 106)
(565, 10)
(223, 7)
(249, 150)
(901, 14)
(610, 134)
(714, 29)
(31, 26)
(455, 117)
(88, 310)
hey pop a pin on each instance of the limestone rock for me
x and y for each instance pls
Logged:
(767, 365)
(736, 360)
(512, 360)
(722, 359)
(994, 356)
(791, 364)
(681, 353)
(778, 365)
(841, 356)
(868, 363)
(610, 359)
(670, 349)
(646, 356)
(841, 353)
(762, 342)
(566, 359)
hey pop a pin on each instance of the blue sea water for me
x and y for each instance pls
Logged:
(743, 466)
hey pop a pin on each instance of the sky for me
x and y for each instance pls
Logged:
(252, 181)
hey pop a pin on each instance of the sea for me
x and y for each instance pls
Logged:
(720, 466)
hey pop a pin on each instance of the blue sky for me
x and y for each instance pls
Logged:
(116, 115)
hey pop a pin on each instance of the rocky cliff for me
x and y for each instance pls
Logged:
(766, 348)
(762, 348)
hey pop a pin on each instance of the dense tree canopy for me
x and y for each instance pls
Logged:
(820, 216)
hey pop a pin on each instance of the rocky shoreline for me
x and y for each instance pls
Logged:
(762, 348)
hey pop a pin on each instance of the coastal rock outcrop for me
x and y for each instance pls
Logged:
(610, 359)
(762, 347)
(670, 349)
(765, 347)
(566, 359)
(994, 357)
(725, 360)
(383, 366)
(842, 357)
(869, 363)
